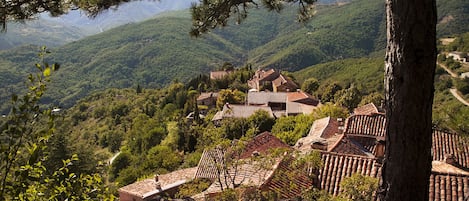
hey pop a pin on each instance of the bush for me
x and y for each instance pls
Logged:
(462, 85)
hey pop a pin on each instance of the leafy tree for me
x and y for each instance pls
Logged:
(330, 110)
(192, 188)
(229, 96)
(462, 85)
(374, 97)
(145, 133)
(211, 14)
(310, 85)
(348, 98)
(328, 92)
(171, 140)
(122, 161)
(24, 139)
(261, 121)
(290, 129)
(359, 187)
(162, 158)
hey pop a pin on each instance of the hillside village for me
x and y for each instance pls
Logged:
(345, 147)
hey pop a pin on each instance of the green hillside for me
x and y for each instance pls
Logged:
(157, 51)
(39, 33)
(366, 73)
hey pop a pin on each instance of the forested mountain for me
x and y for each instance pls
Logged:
(57, 31)
(157, 51)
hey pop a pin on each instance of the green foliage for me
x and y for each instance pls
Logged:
(462, 85)
(460, 44)
(374, 97)
(358, 187)
(166, 51)
(24, 141)
(230, 96)
(163, 159)
(348, 98)
(366, 74)
(328, 93)
(194, 187)
(310, 85)
(260, 121)
(122, 161)
(330, 110)
(291, 128)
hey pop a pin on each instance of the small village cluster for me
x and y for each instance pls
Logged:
(346, 147)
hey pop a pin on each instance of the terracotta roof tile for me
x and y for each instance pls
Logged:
(367, 109)
(322, 131)
(347, 146)
(263, 143)
(147, 187)
(282, 80)
(448, 187)
(268, 75)
(207, 164)
(372, 125)
(302, 97)
(210, 158)
(337, 166)
(444, 144)
(281, 181)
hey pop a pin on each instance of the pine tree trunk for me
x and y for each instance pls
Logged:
(410, 69)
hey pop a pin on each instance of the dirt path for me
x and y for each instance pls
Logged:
(456, 94)
(114, 157)
(453, 74)
(453, 90)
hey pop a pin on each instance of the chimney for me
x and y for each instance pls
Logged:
(340, 124)
(157, 182)
(380, 145)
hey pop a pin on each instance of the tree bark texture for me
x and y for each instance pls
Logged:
(409, 75)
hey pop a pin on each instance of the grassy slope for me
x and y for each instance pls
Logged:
(366, 73)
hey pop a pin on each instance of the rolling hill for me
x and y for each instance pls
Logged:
(155, 52)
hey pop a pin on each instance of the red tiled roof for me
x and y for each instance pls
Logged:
(267, 75)
(147, 187)
(346, 146)
(207, 167)
(447, 143)
(448, 187)
(368, 143)
(210, 158)
(285, 184)
(302, 97)
(323, 131)
(282, 80)
(372, 125)
(367, 109)
(337, 166)
(263, 143)
(446, 182)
